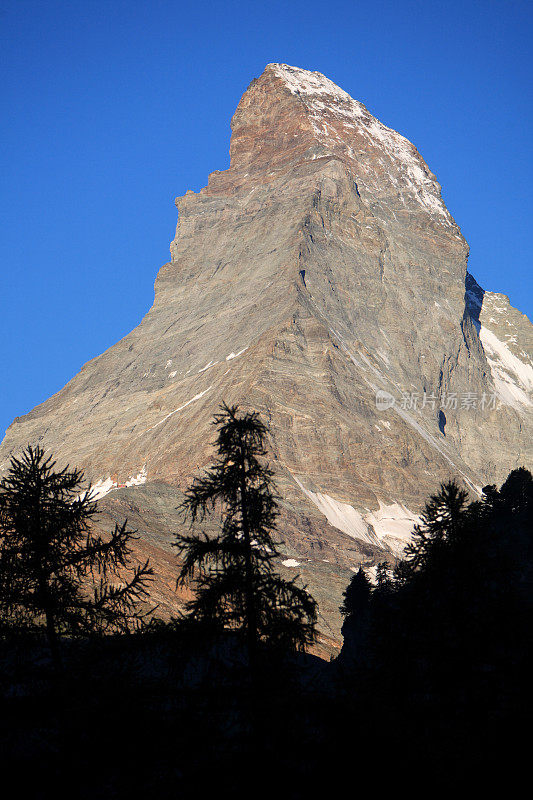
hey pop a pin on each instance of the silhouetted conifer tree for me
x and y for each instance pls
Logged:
(515, 496)
(355, 608)
(449, 640)
(383, 577)
(236, 585)
(54, 570)
(357, 594)
(442, 521)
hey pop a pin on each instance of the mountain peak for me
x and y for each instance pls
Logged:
(321, 282)
(290, 116)
(304, 82)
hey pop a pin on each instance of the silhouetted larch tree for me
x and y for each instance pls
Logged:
(383, 577)
(357, 594)
(448, 650)
(54, 570)
(236, 586)
(442, 521)
(515, 496)
(355, 608)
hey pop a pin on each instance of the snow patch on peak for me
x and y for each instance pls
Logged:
(323, 99)
(180, 408)
(290, 562)
(393, 524)
(341, 515)
(207, 366)
(139, 479)
(513, 378)
(102, 487)
(302, 81)
(388, 528)
(233, 355)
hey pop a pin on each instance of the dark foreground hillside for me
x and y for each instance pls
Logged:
(131, 718)
(430, 688)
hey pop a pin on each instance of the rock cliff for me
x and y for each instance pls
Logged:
(321, 281)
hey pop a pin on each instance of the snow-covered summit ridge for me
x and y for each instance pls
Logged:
(304, 82)
(323, 99)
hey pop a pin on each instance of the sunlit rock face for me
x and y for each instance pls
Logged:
(321, 281)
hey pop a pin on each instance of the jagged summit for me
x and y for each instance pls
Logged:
(319, 280)
(321, 120)
(313, 85)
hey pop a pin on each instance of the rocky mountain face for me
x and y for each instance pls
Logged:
(321, 281)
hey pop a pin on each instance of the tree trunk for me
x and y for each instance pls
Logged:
(53, 641)
(44, 589)
(51, 632)
(251, 615)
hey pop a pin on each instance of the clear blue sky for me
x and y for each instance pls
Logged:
(112, 108)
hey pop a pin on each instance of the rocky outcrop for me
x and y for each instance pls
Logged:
(321, 281)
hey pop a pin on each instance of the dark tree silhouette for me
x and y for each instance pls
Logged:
(355, 609)
(236, 585)
(442, 521)
(515, 496)
(357, 594)
(383, 577)
(54, 570)
(448, 646)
